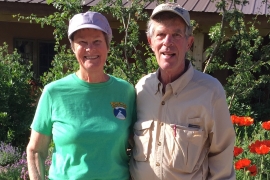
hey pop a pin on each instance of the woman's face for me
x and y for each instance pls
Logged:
(90, 48)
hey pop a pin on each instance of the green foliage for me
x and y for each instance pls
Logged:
(10, 173)
(129, 58)
(248, 82)
(16, 97)
(59, 19)
(63, 63)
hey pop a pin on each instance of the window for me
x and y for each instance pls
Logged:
(25, 48)
(45, 54)
(39, 52)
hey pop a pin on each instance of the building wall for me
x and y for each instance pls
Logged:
(11, 30)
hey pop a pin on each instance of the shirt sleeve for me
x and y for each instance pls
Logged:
(42, 120)
(222, 140)
(134, 116)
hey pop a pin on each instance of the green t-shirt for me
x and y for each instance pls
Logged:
(90, 124)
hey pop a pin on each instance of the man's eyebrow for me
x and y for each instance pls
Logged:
(159, 30)
(179, 31)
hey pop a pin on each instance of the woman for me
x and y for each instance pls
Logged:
(87, 114)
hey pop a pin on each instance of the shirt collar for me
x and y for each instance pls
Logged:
(177, 85)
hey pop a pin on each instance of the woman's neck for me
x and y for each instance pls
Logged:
(93, 78)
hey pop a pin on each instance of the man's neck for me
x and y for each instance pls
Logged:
(166, 77)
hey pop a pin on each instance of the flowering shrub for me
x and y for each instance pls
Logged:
(14, 171)
(18, 170)
(252, 147)
(8, 154)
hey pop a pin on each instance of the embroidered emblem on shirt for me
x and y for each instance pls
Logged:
(119, 110)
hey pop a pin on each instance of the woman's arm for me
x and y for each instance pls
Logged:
(37, 152)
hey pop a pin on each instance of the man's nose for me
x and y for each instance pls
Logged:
(168, 40)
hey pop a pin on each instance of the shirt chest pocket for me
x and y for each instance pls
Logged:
(142, 136)
(188, 148)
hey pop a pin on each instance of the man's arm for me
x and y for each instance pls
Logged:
(222, 140)
(37, 152)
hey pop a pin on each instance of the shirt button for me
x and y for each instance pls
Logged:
(163, 102)
(159, 144)
(157, 164)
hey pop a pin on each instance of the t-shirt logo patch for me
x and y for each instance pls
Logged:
(119, 110)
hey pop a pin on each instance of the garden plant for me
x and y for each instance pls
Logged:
(247, 85)
(17, 98)
(252, 147)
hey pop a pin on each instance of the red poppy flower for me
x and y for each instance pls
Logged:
(260, 147)
(263, 149)
(237, 151)
(253, 170)
(242, 121)
(235, 119)
(246, 121)
(267, 143)
(242, 163)
(266, 125)
(252, 146)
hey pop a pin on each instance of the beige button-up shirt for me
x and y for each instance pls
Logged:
(184, 134)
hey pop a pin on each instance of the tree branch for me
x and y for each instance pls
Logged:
(220, 39)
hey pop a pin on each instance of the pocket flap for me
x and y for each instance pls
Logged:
(143, 125)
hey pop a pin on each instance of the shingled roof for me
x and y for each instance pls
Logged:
(260, 7)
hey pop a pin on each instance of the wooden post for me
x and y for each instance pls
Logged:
(197, 53)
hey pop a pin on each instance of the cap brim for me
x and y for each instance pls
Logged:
(167, 10)
(84, 26)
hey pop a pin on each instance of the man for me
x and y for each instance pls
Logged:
(183, 131)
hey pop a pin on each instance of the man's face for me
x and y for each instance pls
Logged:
(170, 45)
